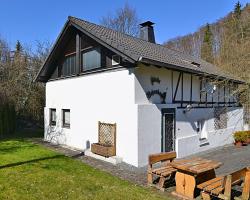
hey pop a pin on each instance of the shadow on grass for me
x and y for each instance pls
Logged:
(4, 149)
(30, 161)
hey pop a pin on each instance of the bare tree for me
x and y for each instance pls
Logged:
(125, 20)
(18, 69)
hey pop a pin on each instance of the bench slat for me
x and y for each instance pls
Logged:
(217, 191)
(157, 170)
(154, 158)
(213, 186)
(204, 184)
(168, 172)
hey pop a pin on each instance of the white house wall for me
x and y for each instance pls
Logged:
(187, 138)
(106, 97)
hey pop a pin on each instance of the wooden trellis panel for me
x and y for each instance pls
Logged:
(106, 145)
(107, 134)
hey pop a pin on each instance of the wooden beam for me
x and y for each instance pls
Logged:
(218, 93)
(209, 102)
(172, 83)
(206, 91)
(200, 88)
(181, 89)
(191, 88)
(177, 86)
(78, 54)
(224, 94)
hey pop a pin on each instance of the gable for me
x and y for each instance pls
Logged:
(62, 61)
(132, 50)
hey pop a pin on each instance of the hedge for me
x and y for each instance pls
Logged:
(7, 119)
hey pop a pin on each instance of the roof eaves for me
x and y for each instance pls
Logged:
(184, 69)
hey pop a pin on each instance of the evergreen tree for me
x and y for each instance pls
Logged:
(19, 47)
(207, 45)
(237, 10)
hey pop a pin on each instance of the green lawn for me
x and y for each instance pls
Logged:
(29, 171)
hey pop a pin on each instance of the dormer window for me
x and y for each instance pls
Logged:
(196, 64)
(91, 58)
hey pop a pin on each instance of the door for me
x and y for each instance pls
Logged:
(168, 129)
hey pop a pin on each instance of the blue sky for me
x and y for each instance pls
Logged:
(40, 20)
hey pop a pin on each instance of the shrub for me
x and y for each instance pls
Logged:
(248, 134)
(241, 136)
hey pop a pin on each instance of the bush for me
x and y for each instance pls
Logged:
(248, 134)
(241, 136)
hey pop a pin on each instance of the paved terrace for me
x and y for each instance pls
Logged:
(233, 158)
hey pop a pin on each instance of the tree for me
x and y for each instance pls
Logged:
(207, 45)
(237, 10)
(125, 20)
(19, 47)
(17, 74)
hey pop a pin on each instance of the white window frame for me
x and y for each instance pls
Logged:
(52, 122)
(65, 125)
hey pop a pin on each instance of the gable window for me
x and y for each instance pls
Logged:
(66, 118)
(220, 118)
(91, 58)
(69, 65)
(52, 117)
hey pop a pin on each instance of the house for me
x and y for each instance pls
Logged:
(160, 99)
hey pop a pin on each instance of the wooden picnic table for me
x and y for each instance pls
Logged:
(191, 172)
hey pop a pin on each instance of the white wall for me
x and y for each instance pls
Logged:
(106, 97)
(187, 138)
(120, 97)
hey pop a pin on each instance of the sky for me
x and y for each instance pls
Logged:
(30, 21)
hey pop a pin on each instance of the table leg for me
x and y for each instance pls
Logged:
(180, 183)
(185, 185)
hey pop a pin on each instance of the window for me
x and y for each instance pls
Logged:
(115, 60)
(52, 117)
(66, 118)
(69, 65)
(201, 129)
(220, 118)
(91, 59)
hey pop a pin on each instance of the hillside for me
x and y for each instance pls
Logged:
(225, 43)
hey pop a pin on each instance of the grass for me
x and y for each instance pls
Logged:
(30, 171)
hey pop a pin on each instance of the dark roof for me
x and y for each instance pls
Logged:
(138, 50)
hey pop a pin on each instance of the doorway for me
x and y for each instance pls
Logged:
(168, 129)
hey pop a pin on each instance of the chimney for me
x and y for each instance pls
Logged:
(147, 31)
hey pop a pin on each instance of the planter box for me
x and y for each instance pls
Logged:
(102, 150)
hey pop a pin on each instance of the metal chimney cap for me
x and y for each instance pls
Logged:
(147, 23)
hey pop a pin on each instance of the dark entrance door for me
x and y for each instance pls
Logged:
(168, 129)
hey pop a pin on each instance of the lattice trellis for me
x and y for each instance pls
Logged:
(107, 134)
(220, 118)
(246, 109)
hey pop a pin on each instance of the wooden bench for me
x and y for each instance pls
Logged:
(164, 171)
(221, 187)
